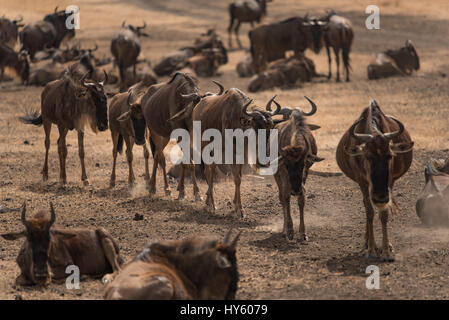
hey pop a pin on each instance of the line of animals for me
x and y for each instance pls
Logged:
(374, 152)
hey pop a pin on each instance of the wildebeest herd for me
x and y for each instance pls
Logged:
(374, 152)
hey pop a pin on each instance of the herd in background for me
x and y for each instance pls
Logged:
(374, 152)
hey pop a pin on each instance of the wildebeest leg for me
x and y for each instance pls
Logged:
(81, 155)
(387, 249)
(62, 151)
(329, 59)
(370, 243)
(129, 158)
(337, 60)
(181, 182)
(162, 163)
(114, 137)
(284, 199)
(196, 190)
(109, 250)
(236, 31)
(47, 129)
(209, 172)
(146, 155)
(230, 30)
(237, 174)
(301, 203)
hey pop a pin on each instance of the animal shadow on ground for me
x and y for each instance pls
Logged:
(353, 264)
(276, 241)
(54, 188)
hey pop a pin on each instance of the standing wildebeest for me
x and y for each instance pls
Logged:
(70, 103)
(9, 30)
(47, 252)
(374, 152)
(432, 206)
(271, 41)
(194, 268)
(245, 11)
(160, 103)
(48, 33)
(297, 149)
(338, 34)
(220, 112)
(394, 62)
(125, 48)
(18, 62)
(127, 123)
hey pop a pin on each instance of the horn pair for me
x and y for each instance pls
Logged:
(52, 215)
(286, 112)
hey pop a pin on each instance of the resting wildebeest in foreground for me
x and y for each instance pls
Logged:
(298, 152)
(9, 30)
(228, 110)
(245, 11)
(432, 206)
(71, 103)
(196, 268)
(47, 251)
(394, 62)
(47, 33)
(125, 47)
(18, 62)
(375, 152)
(160, 103)
(127, 123)
(271, 41)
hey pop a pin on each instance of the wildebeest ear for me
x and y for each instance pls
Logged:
(124, 117)
(314, 158)
(64, 235)
(222, 260)
(402, 147)
(355, 150)
(313, 127)
(14, 235)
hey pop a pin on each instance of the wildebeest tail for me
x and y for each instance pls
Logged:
(153, 147)
(120, 144)
(31, 117)
(346, 37)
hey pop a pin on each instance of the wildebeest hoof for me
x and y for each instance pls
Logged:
(289, 236)
(303, 237)
(112, 184)
(198, 197)
(86, 182)
(239, 213)
(181, 196)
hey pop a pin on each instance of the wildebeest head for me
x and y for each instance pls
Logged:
(137, 30)
(186, 89)
(133, 121)
(209, 264)
(9, 30)
(377, 151)
(37, 244)
(58, 19)
(314, 32)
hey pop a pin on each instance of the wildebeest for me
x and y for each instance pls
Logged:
(206, 63)
(338, 35)
(19, 62)
(432, 206)
(245, 66)
(271, 41)
(245, 11)
(9, 30)
(394, 62)
(47, 251)
(228, 110)
(298, 152)
(125, 47)
(127, 123)
(71, 103)
(47, 33)
(160, 103)
(193, 268)
(374, 152)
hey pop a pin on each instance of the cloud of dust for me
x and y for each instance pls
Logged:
(138, 190)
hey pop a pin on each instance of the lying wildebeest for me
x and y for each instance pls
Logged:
(298, 152)
(125, 47)
(206, 63)
(284, 73)
(174, 61)
(47, 252)
(9, 30)
(432, 206)
(338, 35)
(127, 123)
(194, 268)
(245, 11)
(143, 73)
(270, 42)
(394, 62)
(160, 103)
(70, 103)
(245, 66)
(48, 33)
(228, 110)
(374, 152)
(19, 62)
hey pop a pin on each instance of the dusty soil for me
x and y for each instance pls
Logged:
(331, 264)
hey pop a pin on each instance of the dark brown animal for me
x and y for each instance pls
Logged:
(298, 152)
(245, 11)
(374, 152)
(394, 62)
(70, 103)
(19, 62)
(9, 30)
(206, 63)
(194, 268)
(47, 251)
(48, 33)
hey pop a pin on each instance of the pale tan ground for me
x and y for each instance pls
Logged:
(330, 265)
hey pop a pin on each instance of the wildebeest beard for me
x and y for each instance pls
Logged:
(39, 248)
(295, 175)
(139, 130)
(101, 113)
(379, 175)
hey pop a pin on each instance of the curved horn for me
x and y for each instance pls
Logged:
(56, 9)
(105, 78)
(24, 211)
(364, 137)
(392, 135)
(96, 48)
(190, 95)
(245, 107)
(268, 106)
(219, 86)
(143, 27)
(236, 239)
(123, 23)
(128, 101)
(52, 215)
(227, 236)
(314, 108)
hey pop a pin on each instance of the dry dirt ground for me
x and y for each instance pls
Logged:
(331, 264)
